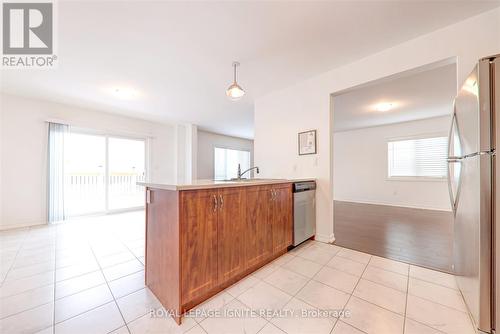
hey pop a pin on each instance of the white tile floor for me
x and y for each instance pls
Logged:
(87, 276)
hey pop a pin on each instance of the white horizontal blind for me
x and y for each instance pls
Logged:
(226, 163)
(423, 157)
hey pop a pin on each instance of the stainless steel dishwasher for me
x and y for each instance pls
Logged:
(304, 211)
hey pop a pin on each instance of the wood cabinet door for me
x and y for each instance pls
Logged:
(231, 229)
(282, 218)
(258, 231)
(198, 243)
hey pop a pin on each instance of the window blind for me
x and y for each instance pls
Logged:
(422, 157)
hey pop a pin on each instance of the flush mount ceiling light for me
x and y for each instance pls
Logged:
(383, 107)
(235, 92)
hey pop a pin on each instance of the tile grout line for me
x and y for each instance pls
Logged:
(55, 267)
(67, 279)
(15, 257)
(72, 294)
(28, 236)
(111, 292)
(296, 294)
(268, 321)
(406, 299)
(144, 265)
(352, 294)
(262, 280)
(312, 279)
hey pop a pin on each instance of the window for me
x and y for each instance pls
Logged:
(226, 162)
(100, 173)
(418, 158)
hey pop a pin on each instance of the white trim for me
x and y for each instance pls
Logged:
(22, 225)
(325, 238)
(229, 147)
(416, 179)
(447, 115)
(102, 132)
(147, 164)
(107, 184)
(69, 219)
(55, 120)
(424, 135)
(393, 204)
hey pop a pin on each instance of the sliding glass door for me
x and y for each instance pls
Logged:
(126, 168)
(100, 173)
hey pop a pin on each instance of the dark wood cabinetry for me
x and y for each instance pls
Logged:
(259, 238)
(198, 242)
(231, 233)
(281, 217)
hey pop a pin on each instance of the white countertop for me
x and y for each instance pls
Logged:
(207, 184)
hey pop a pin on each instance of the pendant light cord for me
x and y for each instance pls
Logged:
(235, 64)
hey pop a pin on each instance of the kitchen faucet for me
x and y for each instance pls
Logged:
(240, 174)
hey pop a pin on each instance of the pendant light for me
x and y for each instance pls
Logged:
(235, 92)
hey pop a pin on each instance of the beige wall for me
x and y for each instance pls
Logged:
(24, 135)
(207, 141)
(280, 115)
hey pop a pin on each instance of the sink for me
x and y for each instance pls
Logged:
(246, 180)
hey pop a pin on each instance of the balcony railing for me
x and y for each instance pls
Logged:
(86, 192)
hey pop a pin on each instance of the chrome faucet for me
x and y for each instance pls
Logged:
(240, 174)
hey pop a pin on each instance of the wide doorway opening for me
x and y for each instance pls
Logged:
(390, 170)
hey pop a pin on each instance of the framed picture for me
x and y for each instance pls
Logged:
(307, 142)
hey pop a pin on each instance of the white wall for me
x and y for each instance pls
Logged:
(207, 141)
(23, 150)
(280, 115)
(360, 167)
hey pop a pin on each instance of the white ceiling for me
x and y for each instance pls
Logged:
(178, 55)
(426, 94)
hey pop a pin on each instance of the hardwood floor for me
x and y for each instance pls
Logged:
(416, 236)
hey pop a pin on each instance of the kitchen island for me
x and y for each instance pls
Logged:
(204, 236)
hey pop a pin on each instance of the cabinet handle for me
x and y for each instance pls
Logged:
(273, 194)
(215, 202)
(221, 201)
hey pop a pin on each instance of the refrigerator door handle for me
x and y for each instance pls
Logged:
(454, 196)
(450, 135)
(452, 159)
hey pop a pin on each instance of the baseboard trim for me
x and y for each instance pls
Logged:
(20, 226)
(392, 204)
(325, 238)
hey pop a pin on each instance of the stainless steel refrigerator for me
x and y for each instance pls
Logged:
(471, 165)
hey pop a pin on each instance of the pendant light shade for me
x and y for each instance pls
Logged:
(235, 92)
